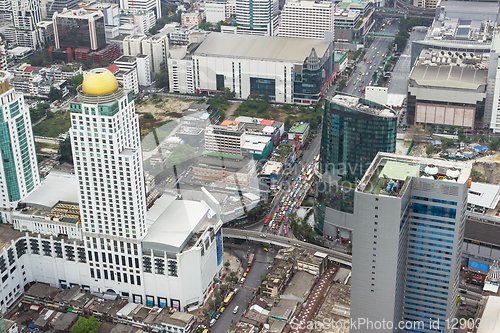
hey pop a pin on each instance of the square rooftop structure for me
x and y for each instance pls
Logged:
(56, 187)
(361, 104)
(390, 174)
(172, 230)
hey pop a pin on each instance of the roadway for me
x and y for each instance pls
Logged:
(247, 291)
(363, 74)
(285, 242)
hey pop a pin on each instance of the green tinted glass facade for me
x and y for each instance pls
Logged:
(25, 153)
(9, 166)
(351, 138)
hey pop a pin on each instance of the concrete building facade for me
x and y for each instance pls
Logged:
(307, 19)
(407, 242)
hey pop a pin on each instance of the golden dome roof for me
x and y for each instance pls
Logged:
(99, 81)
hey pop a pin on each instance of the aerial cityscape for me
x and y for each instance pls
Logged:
(246, 166)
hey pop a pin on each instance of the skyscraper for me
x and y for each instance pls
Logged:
(354, 130)
(108, 160)
(307, 19)
(257, 17)
(409, 225)
(18, 166)
(79, 28)
(25, 14)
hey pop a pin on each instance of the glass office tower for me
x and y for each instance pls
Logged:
(354, 130)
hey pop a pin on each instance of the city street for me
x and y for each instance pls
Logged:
(248, 290)
(364, 71)
(401, 72)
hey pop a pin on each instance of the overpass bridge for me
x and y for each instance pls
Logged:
(381, 34)
(281, 241)
(404, 9)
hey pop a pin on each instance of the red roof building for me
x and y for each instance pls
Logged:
(267, 122)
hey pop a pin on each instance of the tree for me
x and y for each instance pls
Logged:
(217, 293)
(104, 62)
(162, 79)
(180, 154)
(211, 303)
(77, 80)
(84, 325)
(232, 274)
(65, 151)
(148, 115)
(222, 287)
(227, 264)
(229, 278)
(205, 25)
(477, 176)
(429, 150)
(446, 143)
(494, 143)
(461, 135)
(204, 310)
(54, 94)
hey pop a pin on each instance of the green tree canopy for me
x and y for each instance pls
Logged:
(54, 94)
(77, 80)
(162, 79)
(180, 154)
(65, 151)
(84, 325)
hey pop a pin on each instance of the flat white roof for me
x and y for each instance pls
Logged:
(57, 186)
(484, 195)
(172, 229)
(261, 47)
(491, 316)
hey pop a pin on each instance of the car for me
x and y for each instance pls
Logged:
(354, 71)
(277, 227)
(262, 235)
(236, 308)
(286, 208)
(222, 309)
(217, 316)
(245, 274)
(359, 90)
(378, 52)
(269, 267)
(277, 210)
(205, 330)
(212, 322)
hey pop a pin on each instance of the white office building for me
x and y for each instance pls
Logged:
(307, 19)
(156, 47)
(18, 166)
(257, 17)
(92, 229)
(25, 15)
(154, 5)
(216, 11)
(140, 64)
(226, 138)
(143, 70)
(407, 242)
(288, 70)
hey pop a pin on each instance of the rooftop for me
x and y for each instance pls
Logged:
(172, 230)
(449, 76)
(260, 47)
(360, 104)
(57, 186)
(491, 315)
(484, 195)
(299, 127)
(271, 166)
(390, 174)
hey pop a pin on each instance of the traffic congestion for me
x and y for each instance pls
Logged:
(277, 221)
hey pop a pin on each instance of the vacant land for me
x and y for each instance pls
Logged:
(156, 111)
(53, 126)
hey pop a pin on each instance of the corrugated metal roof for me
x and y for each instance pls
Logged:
(260, 47)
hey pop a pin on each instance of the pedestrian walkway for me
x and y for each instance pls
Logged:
(314, 301)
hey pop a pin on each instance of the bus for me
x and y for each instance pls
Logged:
(309, 172)
(266, 221)
(250, 261)
(309, 178)
(316, 159)
(229, 298)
